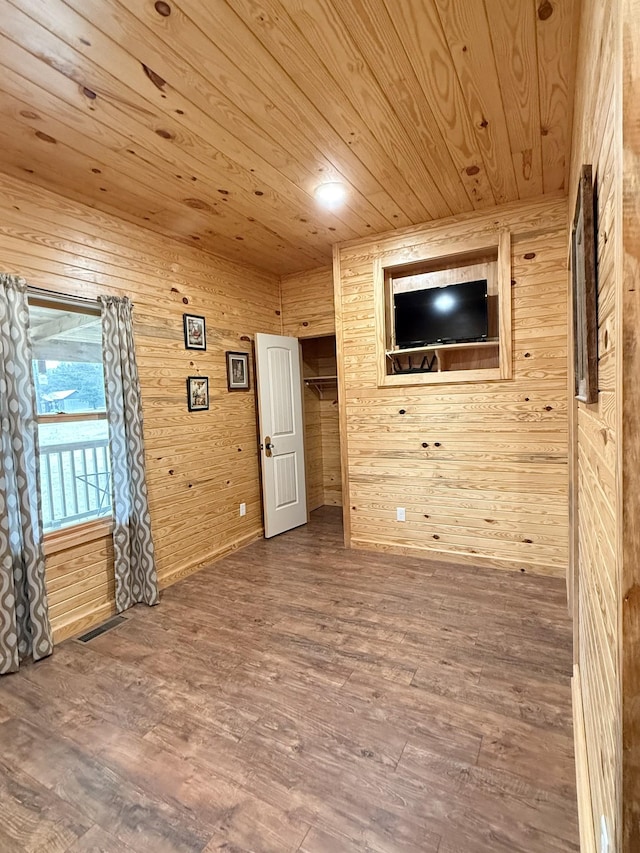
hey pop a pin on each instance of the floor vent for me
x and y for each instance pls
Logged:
(102, 629)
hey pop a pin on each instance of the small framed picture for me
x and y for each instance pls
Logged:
(238, 371)
(195, 333)
(197, 393)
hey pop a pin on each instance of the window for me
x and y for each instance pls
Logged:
(72, 419)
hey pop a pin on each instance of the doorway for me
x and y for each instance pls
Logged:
(321, 423)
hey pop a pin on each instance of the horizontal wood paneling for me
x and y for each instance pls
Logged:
(481, 468)
(595, 432)
(200, 465)
(313, 449)
(331, 474)
(307, 304)
(215, 124)
(322, 432)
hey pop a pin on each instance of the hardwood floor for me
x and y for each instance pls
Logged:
(299, 697)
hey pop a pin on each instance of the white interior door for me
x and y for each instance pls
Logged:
(281, 433)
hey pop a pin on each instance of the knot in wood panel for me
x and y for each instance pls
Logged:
(545, 10)
(198, 204)
(155, 78)
(46, 138)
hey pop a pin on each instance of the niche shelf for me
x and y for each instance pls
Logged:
(487, 258)
(403, 359)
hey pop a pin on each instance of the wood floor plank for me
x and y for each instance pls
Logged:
(296, 696)
(33, 819)
(98, 840)
(99, 795)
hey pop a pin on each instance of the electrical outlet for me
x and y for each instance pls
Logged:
(400, 514)
(604, 835)
(243, 509)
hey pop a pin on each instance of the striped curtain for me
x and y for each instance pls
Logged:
(135, 569)
(24, 620)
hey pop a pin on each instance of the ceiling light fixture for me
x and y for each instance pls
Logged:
(331, 194)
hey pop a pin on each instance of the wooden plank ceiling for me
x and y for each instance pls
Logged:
(214, 120)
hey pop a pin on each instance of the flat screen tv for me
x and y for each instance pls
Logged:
(453, 314)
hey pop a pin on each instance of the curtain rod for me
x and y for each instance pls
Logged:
(58, 296)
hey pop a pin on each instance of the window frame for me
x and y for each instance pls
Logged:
(80, 532)
(386, 266)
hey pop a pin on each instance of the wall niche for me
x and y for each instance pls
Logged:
(446, 316)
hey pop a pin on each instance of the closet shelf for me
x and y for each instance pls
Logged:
(319, 383)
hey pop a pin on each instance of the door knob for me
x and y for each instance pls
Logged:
(268, 446)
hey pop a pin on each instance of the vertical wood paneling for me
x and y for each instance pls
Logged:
(595, 429)
(200, 466)
(481, 468)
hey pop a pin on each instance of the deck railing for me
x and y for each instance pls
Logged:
(75, 482)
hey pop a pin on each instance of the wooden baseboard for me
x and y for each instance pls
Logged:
(102, 612)
(583, 784)
(478, 560)
(83, 623)
(180, 572)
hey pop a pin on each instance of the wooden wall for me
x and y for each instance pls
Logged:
(200, 465)
(322, 429)
(307, 304)
(628, 538)
(481, 468)
(308, 313)
(595, 428)
(313, 449)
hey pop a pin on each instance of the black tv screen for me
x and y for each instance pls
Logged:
(451, 314)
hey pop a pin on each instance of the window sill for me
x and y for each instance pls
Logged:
(79, 534)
